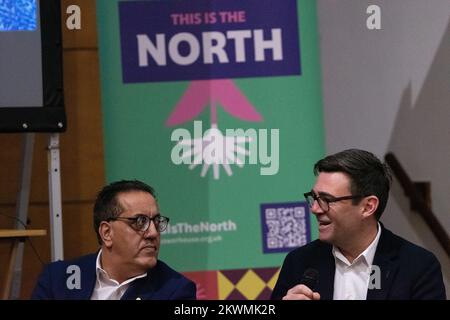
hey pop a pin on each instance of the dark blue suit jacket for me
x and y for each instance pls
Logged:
(161, 282)
(407, 271)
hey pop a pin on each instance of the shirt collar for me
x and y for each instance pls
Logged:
(367, 255)
(103, 277)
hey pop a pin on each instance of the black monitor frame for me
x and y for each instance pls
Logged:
(50, 117)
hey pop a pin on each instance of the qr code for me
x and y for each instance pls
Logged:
(285, 227)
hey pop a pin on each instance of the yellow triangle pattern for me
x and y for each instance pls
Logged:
(273, 280)
(250, 285)
(225, 286)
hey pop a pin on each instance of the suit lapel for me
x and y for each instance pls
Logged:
(385, 259)
(142, 288)
(326, 266)
(88, 277)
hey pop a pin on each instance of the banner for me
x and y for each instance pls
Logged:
(216, 104)
(185, 40)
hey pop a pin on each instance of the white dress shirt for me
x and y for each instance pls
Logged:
(107, 288)
(351, 280)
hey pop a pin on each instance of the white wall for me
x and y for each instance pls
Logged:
(389, 90)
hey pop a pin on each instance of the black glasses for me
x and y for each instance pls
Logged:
(325, 200)
(141, 222)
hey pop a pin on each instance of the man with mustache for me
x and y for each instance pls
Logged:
(356, 257)
(128, 225)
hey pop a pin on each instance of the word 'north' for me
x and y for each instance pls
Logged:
(211, 47)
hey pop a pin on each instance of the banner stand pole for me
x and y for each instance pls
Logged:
(54, 184)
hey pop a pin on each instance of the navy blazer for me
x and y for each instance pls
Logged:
(407, 271)
(161, 282)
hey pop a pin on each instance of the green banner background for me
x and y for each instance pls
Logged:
(138, 146)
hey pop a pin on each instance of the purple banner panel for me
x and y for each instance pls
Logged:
(285, 226)
(208, 39)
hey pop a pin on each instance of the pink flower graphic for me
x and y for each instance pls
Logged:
(202, 93)
(227, 150)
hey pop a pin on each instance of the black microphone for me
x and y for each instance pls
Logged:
(309, 278)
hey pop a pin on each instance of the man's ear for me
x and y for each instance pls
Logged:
(106, 233)
(370, 206)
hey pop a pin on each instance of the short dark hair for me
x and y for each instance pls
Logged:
(107, 206)
(368, 175)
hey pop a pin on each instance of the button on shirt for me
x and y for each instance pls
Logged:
(351, 280)
(107, 288)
